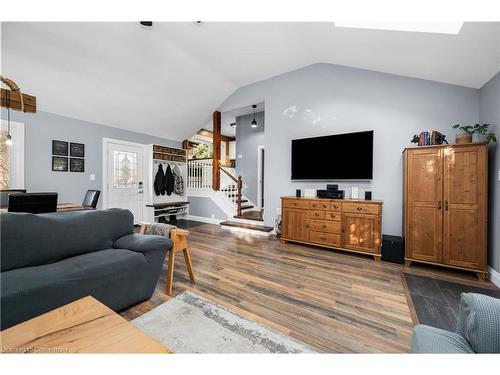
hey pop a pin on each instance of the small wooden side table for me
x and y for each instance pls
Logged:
(82, 326)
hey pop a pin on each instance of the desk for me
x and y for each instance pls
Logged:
(62, 207)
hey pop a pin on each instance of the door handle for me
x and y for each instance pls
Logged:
(439, 205)
(446, 205)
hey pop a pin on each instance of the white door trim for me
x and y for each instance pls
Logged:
(259, 176)
(105, 143)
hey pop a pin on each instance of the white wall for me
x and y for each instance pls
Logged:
(327, 99)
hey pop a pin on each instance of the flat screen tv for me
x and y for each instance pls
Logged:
(333, 157)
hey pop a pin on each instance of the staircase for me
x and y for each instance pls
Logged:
(241, 212)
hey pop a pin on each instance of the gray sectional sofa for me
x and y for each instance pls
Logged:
(478, 329)
(49, 260)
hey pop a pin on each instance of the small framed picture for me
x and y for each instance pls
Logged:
(59, 148)
(59, 164)
(77, 150)
(76, 165)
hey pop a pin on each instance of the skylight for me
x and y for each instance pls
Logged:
(419, 27)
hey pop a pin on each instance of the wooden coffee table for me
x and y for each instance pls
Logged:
(83, 326)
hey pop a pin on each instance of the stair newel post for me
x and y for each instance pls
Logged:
(239, 185)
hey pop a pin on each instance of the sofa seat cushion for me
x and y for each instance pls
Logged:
(112, 276)
(427, 339)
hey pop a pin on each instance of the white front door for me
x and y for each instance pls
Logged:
(125, 179)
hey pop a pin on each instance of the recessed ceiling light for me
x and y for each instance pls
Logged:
(419, 27)
(198, 23)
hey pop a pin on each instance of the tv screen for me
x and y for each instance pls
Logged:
(333, 157)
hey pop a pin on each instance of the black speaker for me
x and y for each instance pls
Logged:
(393, 249)
(368, 195)
(298, 193)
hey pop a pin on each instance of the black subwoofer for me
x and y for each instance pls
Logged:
(393, 249)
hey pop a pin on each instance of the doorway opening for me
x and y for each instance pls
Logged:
(123, 176)
(260, 176)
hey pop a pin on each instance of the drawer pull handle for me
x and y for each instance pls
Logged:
(335, 207)
(316, 214)
(315, 205)
(325, 226)
(359, 208)
(295, 203)
(323, 238)
(325, 206)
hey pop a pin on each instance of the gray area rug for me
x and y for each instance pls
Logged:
(189, 323)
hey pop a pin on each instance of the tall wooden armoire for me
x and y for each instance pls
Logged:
(446, 201)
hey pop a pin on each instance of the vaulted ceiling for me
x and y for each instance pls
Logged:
(167, 80)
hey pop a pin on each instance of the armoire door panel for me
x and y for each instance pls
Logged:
(464, 244)
(424, 234)
(424, 204)
(464, 241)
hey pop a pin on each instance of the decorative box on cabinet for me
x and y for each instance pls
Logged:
(344, 224)
(446, 206)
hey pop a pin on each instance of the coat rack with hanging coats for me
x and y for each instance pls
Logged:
(167, 198)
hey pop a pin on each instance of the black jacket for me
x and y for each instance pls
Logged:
(169, 181)
(159, 183)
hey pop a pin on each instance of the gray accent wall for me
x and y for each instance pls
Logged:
(43, 127)
(324, 99)
(247, 141)
(489, 113)
(205, 207)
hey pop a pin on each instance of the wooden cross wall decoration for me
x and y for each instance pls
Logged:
(15, 99)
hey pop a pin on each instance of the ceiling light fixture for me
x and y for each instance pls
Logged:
(198, 23)
(419, 27)
(254, 122)
(8, 140)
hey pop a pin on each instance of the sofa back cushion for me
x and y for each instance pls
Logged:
(479, 322)
(35, 239)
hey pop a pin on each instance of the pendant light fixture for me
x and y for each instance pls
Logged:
(8, 141)
(254, 122)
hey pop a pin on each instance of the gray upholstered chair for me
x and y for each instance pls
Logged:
(478, 329)
(179, 243)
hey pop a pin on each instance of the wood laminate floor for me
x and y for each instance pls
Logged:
(335, 301)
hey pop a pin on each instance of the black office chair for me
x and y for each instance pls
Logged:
(4, 196)
(35, 203)
(91, 199)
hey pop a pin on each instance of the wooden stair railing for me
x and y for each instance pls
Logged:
(239, 186)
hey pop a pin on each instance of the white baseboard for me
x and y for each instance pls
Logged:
(494, 276)
(203, 219)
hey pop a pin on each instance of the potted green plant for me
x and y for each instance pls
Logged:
(477, 132)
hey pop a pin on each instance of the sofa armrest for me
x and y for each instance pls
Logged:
(432, 340)
(148, 245)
